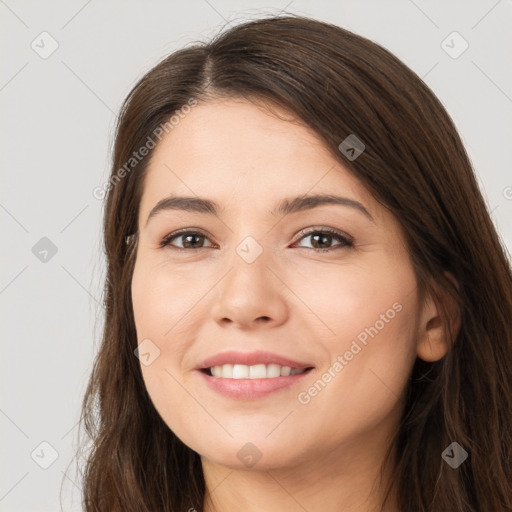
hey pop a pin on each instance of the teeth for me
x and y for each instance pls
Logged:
(257, 371)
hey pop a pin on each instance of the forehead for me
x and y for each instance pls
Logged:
(239, 153)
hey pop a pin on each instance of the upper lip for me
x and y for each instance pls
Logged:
(250, 359)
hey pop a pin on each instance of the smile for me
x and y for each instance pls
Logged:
(242, 386)
(257, 371)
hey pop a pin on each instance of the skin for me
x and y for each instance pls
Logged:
(193, 303)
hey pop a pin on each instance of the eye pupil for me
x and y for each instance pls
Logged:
(322, 236)
(187, 237)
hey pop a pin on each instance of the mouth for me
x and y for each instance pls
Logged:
(257, 371)
(250, 383)
(252, 375)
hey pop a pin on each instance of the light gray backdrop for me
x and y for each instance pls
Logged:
(66, 67)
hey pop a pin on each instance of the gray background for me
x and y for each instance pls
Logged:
(57, 117)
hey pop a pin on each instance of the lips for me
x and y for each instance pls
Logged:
(251, 359)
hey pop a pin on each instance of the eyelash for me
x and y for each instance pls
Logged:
(347, 241)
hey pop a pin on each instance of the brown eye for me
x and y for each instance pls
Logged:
(322, 238)
(189, 240)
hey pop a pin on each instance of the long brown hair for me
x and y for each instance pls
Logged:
(414, 163)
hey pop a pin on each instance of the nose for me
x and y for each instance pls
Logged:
(250, 295)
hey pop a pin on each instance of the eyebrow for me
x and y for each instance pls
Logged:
(284, 207)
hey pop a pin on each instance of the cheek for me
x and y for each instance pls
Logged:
(368, 323)
(167, 311)
(161, 300)
(344, 299)
(157, 314)
(361, 386)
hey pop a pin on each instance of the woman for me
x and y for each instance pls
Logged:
(307, 304)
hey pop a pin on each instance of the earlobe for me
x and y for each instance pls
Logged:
(434, 337)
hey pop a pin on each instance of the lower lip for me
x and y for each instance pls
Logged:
(251, 389)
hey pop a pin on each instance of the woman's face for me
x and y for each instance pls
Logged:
(255, 279)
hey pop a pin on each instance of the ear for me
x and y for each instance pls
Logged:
(433, 336)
